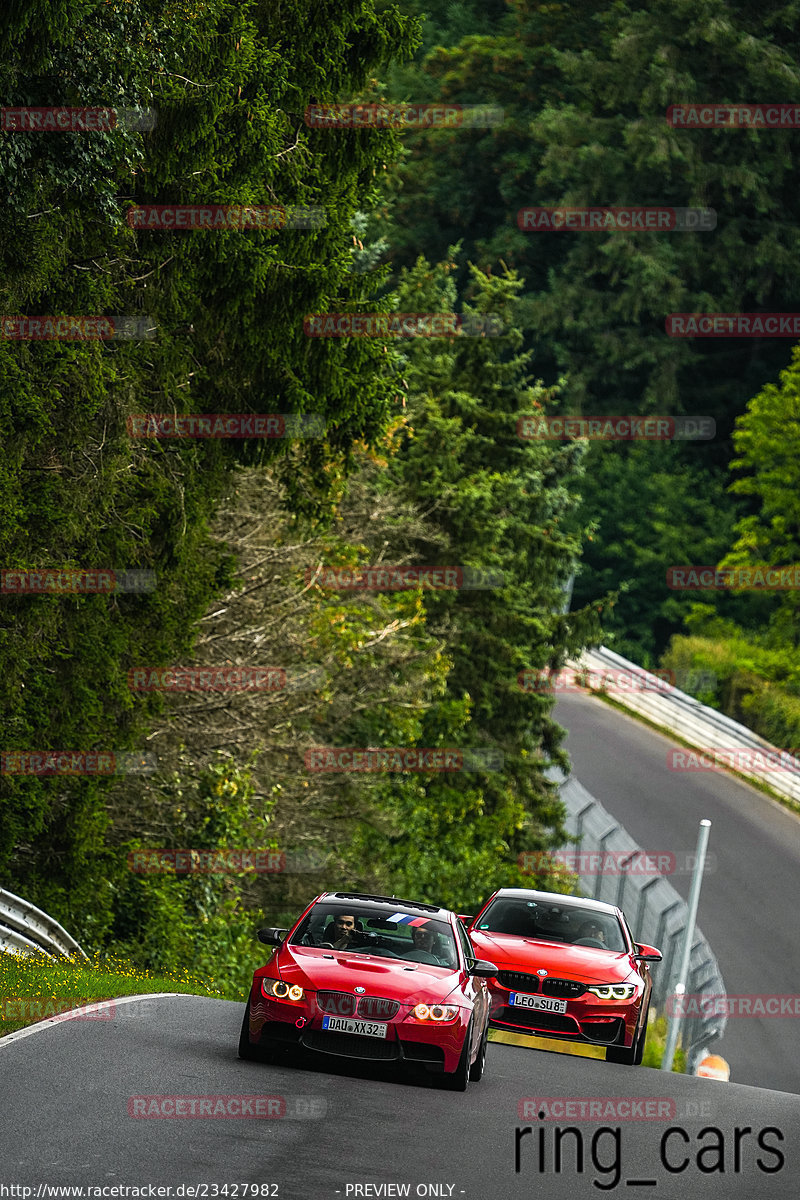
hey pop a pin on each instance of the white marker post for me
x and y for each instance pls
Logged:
(680, 987)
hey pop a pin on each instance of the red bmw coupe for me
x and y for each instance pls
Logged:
(567, 968)
(373, 977)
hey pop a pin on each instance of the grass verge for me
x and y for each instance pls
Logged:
(654, 1046)
(33, 988)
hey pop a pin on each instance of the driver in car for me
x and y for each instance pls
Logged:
(590, 929)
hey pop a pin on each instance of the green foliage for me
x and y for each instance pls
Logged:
(230, 84)
(173, 921)
(495, 502)
(758, 661)
(656, 1041)
(585, 91)
(650, 510)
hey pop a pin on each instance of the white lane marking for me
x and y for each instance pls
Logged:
(72, 1013)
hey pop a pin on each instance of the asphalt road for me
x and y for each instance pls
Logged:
(65, 1093)
(750, 899)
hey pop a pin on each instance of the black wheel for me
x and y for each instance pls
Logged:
(479, 1066)
(247, 1050)
(458, 1080)
(637, 1062)
(630, 1056)
(624, 1055)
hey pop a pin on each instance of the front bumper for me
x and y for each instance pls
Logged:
(591, 1021)
(278, 1023)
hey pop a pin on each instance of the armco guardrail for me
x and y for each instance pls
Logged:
(693, 722)
(25, 929)
(656, 913)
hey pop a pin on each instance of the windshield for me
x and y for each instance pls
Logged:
(389, 931)
(548, 922)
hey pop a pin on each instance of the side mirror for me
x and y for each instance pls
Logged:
(272, 937)
(646, 953)
(482, 968)
(464, 918)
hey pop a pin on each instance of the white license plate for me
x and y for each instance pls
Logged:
(348, 1025)
(545, 1003)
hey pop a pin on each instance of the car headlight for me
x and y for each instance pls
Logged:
(614, 991)
(435, 1012)
(276, 989)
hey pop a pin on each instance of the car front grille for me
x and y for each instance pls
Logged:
(342, 1004)
(518, 981)
(339, 1004)
(565, 988)
(377, 1008)
(349, 1045)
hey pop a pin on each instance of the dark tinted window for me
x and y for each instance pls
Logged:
(388, 931)
(553, 922)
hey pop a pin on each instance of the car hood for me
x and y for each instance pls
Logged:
(584, 963)
(342, 971)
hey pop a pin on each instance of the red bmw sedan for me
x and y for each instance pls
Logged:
(377, 978)
(567, 968)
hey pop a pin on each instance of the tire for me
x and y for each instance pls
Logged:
(479, 1066)
(637, 1062)
(458, 1080)
(623, 1055)
(247, 1050)
(631, 1056)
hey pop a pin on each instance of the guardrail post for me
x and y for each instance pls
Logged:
(579, 823)
(694, 900)
(623, 864)
(643, 904)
